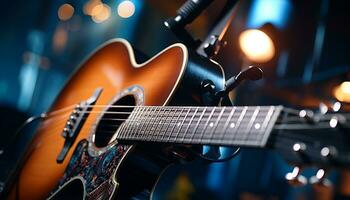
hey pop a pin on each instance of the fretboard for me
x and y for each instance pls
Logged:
(227, 126)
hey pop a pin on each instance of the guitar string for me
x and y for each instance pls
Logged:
(168, 108)
(287, 120)
(280, 127)
(148, 117)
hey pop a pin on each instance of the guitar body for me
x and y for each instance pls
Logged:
(169, 78)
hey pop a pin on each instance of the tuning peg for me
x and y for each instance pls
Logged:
(320, 179)
(308, 115)
(295, 178)
(322, 187)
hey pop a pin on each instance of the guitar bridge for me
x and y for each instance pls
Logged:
(75, 123)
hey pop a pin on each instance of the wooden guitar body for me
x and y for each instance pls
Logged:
(160, 80)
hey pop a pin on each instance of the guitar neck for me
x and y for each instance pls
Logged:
(227, 126)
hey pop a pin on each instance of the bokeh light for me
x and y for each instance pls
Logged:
(90, 5)
(65, 12)
(256, 45)
(100, 13)
(126, 9)
(342, 92)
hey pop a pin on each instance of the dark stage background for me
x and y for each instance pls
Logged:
(305, 60)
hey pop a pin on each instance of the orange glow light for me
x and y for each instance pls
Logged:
(126, 9)
(90, 5)
(256, 45)
(65, 12)
(342, 92)
(101, 13)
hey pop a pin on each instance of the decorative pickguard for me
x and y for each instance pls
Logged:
(96, 171)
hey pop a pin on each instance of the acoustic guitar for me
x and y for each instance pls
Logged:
(117, 125)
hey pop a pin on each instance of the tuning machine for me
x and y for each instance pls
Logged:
(295, 178)
(320, 178)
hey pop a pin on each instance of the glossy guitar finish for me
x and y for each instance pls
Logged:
(162, 79)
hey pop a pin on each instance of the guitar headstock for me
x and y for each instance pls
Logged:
(308, 138)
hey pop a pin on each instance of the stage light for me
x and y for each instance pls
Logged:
(65, 12)
(101, 13)
(342, 92)
(90, 5)
(126, 9)
(256, 45)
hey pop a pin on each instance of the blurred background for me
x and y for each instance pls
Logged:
(302, 46)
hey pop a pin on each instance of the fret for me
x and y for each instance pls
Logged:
(234, 125)
(216, 125)
(169, 115)
(179, 125)
(174, 124)
(139, 128)
(147, 123)
(154, 132)
(187, 121)
(162, 116)
(189, 124)
(138, 125)
(259, 125)
(212, 125)
(223, 130)
(131, 123)
(243, 125)
(196, 126)
(202, 124)
(246, 132)
(203, 131)
(122, 129)
(119, 134)
(271, 117)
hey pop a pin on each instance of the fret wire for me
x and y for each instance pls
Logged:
(177, 134)
(250, 125)
(139, 116)
(151, 118)
(139, 129)
(217, 122)
(147, 121)
(121, 130)
(199, 120)
(131, 126)
(220, 138)
(256, 133)
(154, 123)
(161, 124)
(268, 119)
(227, 123)
(154, 131)
(165, 126)
(174, 125)
(206, 124)
(238, 124)
(189, 124)
(170, 116)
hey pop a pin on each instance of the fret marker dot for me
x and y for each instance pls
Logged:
(232, 125)
(211, 124)
(257, 126)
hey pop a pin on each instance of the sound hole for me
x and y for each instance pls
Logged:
(111, 120)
